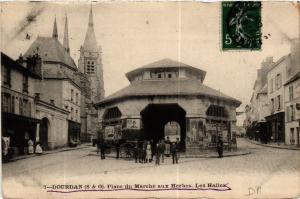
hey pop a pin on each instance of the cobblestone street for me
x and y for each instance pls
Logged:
(266, 170)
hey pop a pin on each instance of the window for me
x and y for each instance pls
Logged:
(292, 112)
(72, 95)
(159, 76)
(6, 102)
(278, 81)
(271, 86)
(273, 105)
(291, 93)
(112, 113)
(90, 67)
(76, 98)
(25, 83)
(216, 111)
(72, 113)
(6, 75)
(292, 136)
(21, 106)
(24, 107)
(279, 102)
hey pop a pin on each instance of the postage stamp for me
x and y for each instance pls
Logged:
(241, 25)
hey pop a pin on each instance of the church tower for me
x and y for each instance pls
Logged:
(90, 61)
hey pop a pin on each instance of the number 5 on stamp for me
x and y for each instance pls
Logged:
(241, 25)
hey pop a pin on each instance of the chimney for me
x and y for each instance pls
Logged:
(34, 64)
(37, 96)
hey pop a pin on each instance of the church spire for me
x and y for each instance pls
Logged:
(66, 36)
(91, 17)
(90, 42)
(54, 33)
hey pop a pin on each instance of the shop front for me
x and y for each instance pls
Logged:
(18, 130)
(276, 127)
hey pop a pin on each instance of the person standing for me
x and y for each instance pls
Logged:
(167, 145)
(162, 150)
(136, 152)
(174, 153)
(220, 147)
(148, 152)
(153, 149)
(102, 149)
(118, 149)
(98, 144)
(144, 151)
(30, 147)
(38, 149)
(158, 152)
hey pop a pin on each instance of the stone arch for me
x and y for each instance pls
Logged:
(44, 133)
(155, 116)
(112, 112)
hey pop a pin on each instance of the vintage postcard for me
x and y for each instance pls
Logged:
(150, 99)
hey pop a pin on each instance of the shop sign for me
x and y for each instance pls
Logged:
(133, 124)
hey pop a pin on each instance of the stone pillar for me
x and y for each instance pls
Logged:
(37, 132)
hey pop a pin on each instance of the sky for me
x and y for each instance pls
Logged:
(137, 33)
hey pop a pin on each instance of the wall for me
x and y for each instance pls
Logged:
(67, 86)
(50, 89)
(58, 126)
(280, 68)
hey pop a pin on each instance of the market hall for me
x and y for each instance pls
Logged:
(167, 98)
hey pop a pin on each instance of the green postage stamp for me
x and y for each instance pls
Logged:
(241, 25)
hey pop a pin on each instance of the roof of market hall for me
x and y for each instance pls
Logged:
(171, 87)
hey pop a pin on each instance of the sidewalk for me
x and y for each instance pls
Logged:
(214, 154)
(274, 145)
(67, 148)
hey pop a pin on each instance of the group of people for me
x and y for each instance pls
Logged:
(149, 151)
(30, 149)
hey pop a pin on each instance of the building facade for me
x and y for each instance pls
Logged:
(292, 91)
(276, 120)
(59, 86)
(36, 120)
(71, 88)
(292, 96)
(166, 94)
(259, 104)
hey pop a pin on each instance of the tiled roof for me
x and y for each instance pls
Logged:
(293, 78)
(50, 49)
(177, 87)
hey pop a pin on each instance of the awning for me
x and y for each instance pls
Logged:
(275, 116)
(18, 118)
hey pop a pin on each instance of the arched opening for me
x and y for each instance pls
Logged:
(43, 134)
(172, 131)
(112, 113)
(217, 124)
(156, 116)
(111, 124)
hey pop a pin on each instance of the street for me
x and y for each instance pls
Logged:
(266, 171)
